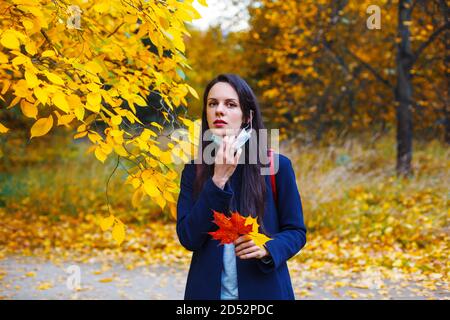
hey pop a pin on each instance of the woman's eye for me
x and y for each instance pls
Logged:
(232, 105)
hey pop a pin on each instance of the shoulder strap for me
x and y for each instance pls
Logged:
(272, 174)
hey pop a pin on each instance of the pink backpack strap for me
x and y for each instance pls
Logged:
(272, 174)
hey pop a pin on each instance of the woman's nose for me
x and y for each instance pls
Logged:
(220, 108)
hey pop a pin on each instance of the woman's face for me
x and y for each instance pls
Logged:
(223, 104)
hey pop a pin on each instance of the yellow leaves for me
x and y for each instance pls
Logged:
(6, 86)
(118, 231)
(161, 202)
(178, 42)
(45, 286)
(120, 150)
(166, 157)
(117, 136)
(271, 93)
(116, 120)
(54, 78)
(48, 53)
(80, 135)
(94, 137)
(65, 78)
(82, 128)
(28, 109)
(252, 221)
(3, 129)
(93, 67)
(186, 122)
(30, 47)
(59, 100)
(106, 280)
(258, 238)
(397, 263)
(41, 127)
(137, 197)
(21, 59)
(152, 162)
(41, 95)
(192, 91)
(9, 40)
(75, 103)
(107, 223)
(136, 182)
(65, 119)
(27, 24)
(155, 151)
(150, 188)
(3, 58)
(102, 150)
(102, 6)
(93, 101)
(32, 80)
(21, 89)
(146, 133)
(157, 125)
(93, 87)
(151, 183)
(100, 154)
(139, 101)
(173, 211)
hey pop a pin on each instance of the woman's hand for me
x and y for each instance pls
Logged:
(247, 249)
(225, 161)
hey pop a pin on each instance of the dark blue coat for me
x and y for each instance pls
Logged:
(256, 280)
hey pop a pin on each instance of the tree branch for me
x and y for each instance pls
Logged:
(371, 69)
(433, 37)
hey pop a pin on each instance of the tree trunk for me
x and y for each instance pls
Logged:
(404, 90)
(444, 10)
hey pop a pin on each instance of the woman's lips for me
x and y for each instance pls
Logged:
(219, 124)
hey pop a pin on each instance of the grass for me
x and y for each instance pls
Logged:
(58, 176)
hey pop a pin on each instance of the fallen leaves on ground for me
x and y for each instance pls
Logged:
(367, 229)
(45, 286)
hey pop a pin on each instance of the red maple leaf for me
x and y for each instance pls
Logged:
(229, 228)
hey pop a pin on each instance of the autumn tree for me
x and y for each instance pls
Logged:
(81, 64)
(212, 52)
(320, 66)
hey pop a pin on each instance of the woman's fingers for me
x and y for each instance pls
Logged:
(244, 245)
(221, 151)
(255, 254)
(252, 252)
(225, 154)
(241, 239)
(247, 250)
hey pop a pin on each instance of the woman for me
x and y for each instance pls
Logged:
(240, 270)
